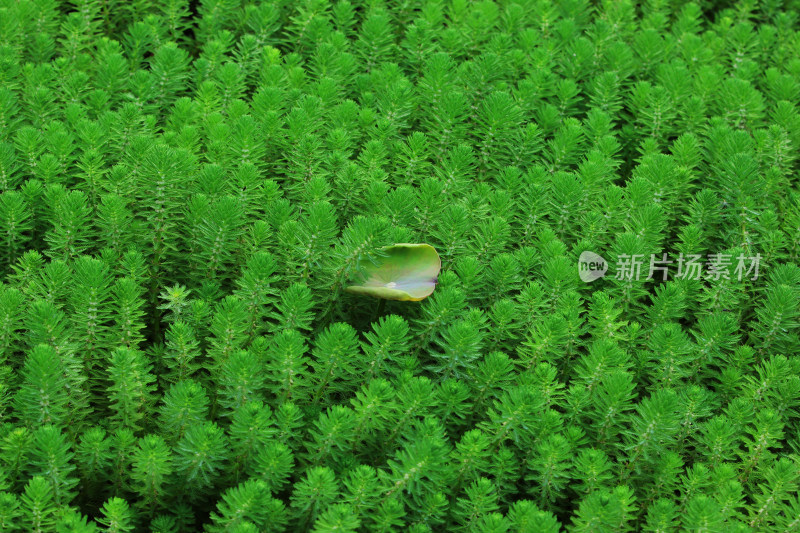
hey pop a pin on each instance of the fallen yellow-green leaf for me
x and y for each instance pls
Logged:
(408, 272)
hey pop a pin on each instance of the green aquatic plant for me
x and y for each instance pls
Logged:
(206, 206)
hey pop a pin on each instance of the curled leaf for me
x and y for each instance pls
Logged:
(408, 272)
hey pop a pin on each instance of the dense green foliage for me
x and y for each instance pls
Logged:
(186, 189)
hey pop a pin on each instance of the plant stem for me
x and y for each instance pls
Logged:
(378, 310)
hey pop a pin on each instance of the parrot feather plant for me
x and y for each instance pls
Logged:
(200, 210)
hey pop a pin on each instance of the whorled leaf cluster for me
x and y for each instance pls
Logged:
(187, 187)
